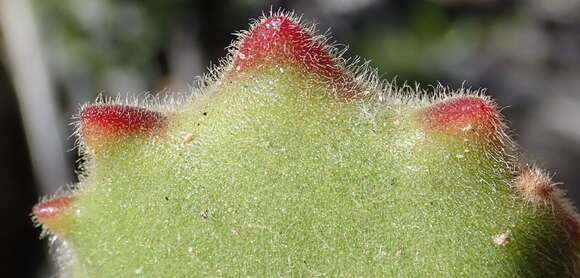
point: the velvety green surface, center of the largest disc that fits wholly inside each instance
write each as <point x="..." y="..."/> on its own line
<point x="284" y="179"/>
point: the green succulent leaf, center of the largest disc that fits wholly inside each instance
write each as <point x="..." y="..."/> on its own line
<point x="290" y="162"/>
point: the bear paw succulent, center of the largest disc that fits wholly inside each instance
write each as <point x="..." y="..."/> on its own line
<point x="290" y="162"/>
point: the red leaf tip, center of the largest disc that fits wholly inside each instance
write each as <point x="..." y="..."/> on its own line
<point x="104" y="123"/>
<point x="467" y="116"/>
<point x="54" y="213"/>
<point x="280" y="39"/>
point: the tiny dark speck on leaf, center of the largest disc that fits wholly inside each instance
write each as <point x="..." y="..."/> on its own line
<point x="205" y="214"/>
<point x="204" y="113"/>
<point x="166" y="198"/>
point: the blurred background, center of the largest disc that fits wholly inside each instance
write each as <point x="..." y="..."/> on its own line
<point x="58" y="54"/>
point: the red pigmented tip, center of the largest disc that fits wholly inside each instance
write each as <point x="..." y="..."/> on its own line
<point x="54" y="213"/>
<point x="105" y="123"/>
<point x="466" y="116"/>
<point x="281" y="40"/>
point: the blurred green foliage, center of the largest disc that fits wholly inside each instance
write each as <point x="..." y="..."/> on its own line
<point x="407" y="45"/>
<point x="105" y="33"/>
<point x="402" y="41"/>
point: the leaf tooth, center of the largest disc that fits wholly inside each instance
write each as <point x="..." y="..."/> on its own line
<point x="536" y="186"/>
<point x="55" y="214"/>
<point x="281" y="40"/>
<point x="102" y="124"/>
<point x="472" y="117"/>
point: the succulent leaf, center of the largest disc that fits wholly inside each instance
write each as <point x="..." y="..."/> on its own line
<point x="290" y="164"/>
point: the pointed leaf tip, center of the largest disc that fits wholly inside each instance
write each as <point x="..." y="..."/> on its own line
<point x="537" y="187"/>
<point x="54" y="213"/>
<point x="468" y="116"/>
<point x="281" y="40"/>
<point x="106" y="123"/>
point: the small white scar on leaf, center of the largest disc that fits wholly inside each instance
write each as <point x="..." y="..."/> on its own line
<point x="503" y="238"/>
